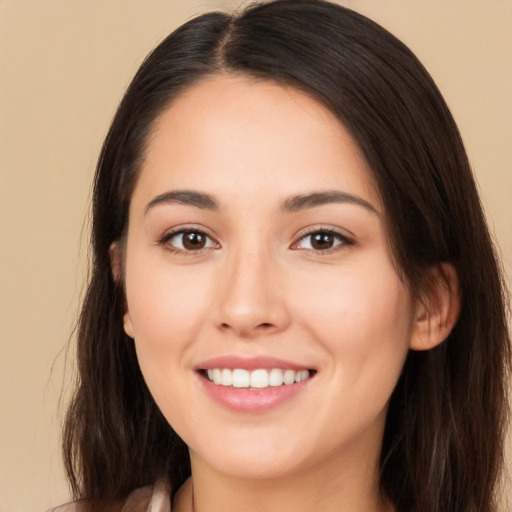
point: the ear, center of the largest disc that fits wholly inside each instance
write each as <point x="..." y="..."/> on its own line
<point x="438" y="310"/>
<point x="127" y="324"/>
<point x="117" y="266"/>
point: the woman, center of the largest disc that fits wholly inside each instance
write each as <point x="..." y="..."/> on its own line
<point x="294" y="299"/>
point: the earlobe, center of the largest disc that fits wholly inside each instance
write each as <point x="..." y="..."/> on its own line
<point x="128" y="325"/>
<point x="438" y="312"/>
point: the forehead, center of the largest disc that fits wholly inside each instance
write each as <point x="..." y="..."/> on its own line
<point x="245" y="133"/>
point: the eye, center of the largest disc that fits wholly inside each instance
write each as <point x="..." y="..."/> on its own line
<point x="188" y="240"/>
<point x="322" y="240"/>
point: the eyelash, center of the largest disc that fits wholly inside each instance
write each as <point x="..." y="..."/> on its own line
<point x="342" y="239"/>
<point x="182" y="231"/>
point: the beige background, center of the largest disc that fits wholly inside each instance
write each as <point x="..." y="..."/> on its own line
<point x="63" y="67"/>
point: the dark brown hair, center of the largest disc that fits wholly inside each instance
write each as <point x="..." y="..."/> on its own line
<point x="442" y="449"/>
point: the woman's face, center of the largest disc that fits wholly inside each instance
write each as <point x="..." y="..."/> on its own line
<point x="269" y="322"/>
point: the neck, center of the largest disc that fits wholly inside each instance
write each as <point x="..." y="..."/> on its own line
<point x="329" y="487"/>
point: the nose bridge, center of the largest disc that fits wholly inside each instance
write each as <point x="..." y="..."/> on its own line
<point x="250" y="301"/>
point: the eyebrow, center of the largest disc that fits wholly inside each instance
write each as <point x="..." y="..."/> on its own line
<point x="292" y="204"/>
<point x="189" y="197"/>
<point x="302" y="202"/>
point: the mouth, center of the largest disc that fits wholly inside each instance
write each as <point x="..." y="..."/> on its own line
<point x="257" y="379"/>
<point x="253" y="384"/>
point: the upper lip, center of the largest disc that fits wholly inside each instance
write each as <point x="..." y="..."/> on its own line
<point x="250" y="363"/>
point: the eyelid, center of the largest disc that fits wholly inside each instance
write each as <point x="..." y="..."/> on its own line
<point x="171" y="233"/>
<point x="346" y="239"/>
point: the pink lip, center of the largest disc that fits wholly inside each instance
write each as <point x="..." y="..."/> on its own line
<point x="245" y="400"/>
<point x="249" y="363"/>
<point x="252" y="401"/>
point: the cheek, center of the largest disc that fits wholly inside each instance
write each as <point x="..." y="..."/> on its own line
<point x="167" y="306"/>
<point x="361" y="296"/>
<point x="362" y="319"/>
<point x="362" y="316"/>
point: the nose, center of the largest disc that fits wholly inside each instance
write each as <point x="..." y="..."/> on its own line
<point x="252" y="302"/>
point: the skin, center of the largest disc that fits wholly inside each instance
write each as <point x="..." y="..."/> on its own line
<point x="258" y="287"/>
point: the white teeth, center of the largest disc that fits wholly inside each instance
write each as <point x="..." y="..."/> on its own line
<point x="227" y="378"/>
<point x="275" y="377"/>
<point x="217" y="376"/>
<point x="289" y="377"/>
<point x="241" y="378"/>
<point x="258" y="379"/>
<point x="302" y="375"/>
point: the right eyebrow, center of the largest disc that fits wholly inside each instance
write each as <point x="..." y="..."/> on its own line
<point x="190" y="197"/>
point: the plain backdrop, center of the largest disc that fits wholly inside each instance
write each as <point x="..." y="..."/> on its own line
<point x="63" y="67"/>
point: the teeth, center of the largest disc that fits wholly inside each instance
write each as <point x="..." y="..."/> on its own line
<point x="289" y="377"/>
<point x="217" y="376"/>
<point x="275" y="377"/>
<point x="257" y="379"/>
<point x="227" y="378"/>
<point x="302" y="375"/>
<point x="241" y="378"/>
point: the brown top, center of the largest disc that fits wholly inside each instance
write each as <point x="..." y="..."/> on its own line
<point x="155" y="498"/>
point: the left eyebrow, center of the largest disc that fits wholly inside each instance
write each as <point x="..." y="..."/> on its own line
<point x="304" y="201"/>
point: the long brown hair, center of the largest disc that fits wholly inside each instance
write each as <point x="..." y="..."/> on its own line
<point x="442" y="449"/>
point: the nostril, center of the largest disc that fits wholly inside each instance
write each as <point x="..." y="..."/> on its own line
<point x="264" y="326"/>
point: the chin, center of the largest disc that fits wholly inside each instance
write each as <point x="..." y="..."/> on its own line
<point x="250" y="458"/>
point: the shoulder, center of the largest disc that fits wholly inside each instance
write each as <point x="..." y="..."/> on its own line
<point x="153" y="498"/>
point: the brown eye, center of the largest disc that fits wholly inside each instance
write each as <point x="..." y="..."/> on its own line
<point x="192" y="240"/>
<point x="188" y="241"/>
<point x="322" y="241"/>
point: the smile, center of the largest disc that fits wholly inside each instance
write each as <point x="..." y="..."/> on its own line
<point x="255" y="379"/>
<point x="253" y="384"/>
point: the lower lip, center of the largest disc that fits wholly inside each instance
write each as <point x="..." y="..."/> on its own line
<point x="252" y="401"/>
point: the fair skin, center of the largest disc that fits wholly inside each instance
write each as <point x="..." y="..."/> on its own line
<point x="275" y="258"/>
